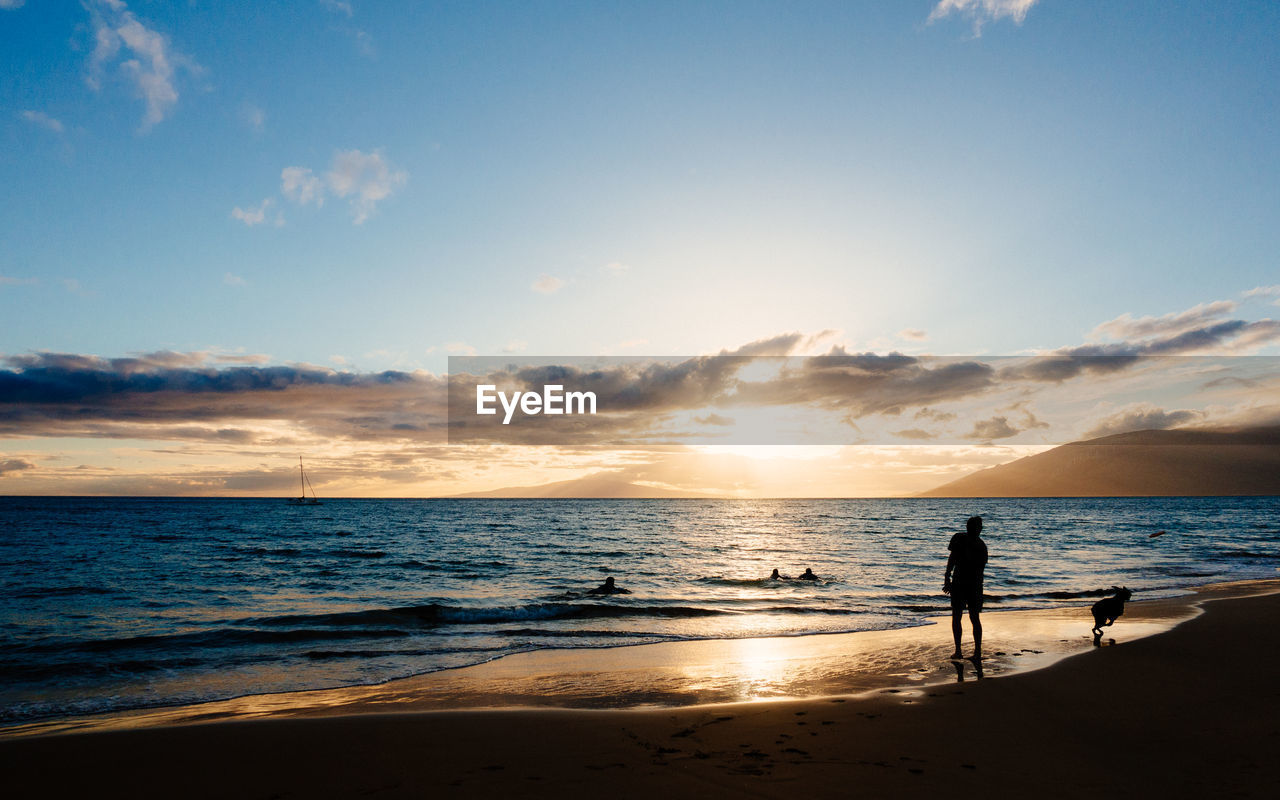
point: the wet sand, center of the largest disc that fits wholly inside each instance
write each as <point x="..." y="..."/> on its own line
<point x="1191" y="711"/>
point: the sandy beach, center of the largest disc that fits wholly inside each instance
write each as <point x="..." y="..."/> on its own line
<point x="1190" y="711"/>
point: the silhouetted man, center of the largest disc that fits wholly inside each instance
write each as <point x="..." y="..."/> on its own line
<point x="963" y="581"/>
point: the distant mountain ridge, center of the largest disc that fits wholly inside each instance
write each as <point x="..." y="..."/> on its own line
<point x="1155" y="463"/>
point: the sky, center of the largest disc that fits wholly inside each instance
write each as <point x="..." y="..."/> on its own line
<point x="354" y="191"/>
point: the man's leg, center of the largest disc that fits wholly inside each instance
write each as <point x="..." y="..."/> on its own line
<point x="957" y="614"/>
<point x="976" y="620"/>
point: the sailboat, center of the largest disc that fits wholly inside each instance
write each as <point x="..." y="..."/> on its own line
<point x="303" y="500"/>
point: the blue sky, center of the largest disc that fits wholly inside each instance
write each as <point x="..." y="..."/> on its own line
<point x="233" y="233"/>
<point x="746" y="169"/>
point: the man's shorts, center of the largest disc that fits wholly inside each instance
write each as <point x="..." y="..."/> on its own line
<point x="963" y="597"/>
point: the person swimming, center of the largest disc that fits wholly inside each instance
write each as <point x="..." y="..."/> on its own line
<point x="808" y="575"/>
<point x="775" y="576"/>
<point x="608" y="587"/>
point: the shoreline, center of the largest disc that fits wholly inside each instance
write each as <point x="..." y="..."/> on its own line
<point x="692" y="673"/>
<point x="1190" y="712"/>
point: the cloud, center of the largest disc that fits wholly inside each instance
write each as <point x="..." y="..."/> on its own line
<point x="766" y="387"/>
<point x="338" y="6"/>
<point x="1266" y="292"/>
<point x="364" y="179"/>
<point x="546" y="284"/>
<point x="935" y="415"/>
<point x="617" y="268"/>
<point x="12" y="5"/>
<point x="367" y="178"/>
<point x="994" y="428"/>
<point x="915" y="433"/>
<point x="1126" y="327"/>
<point x="913" y="334"/>
<point x="860" y="384"/>
<point x="1198" y="330"/>
<point x="780" y="345"/>
<point x="144" y="56"/>
<point x="232" y="280"/>
<point x="301" y="186"/>
<point x="1143" y="417"/>
<point x="640" y="398"/>
<point x="980" y="12"/>
<point x="252" y="216"/>
<point x="253" y="116"/>
<point x="178" y="395"/>
<point x="8" y="465"/>
<point x="364" y="42"/>
<point x="43" y="120"/>
<point x="9" y="280"/>
<point x="714" y="419"/>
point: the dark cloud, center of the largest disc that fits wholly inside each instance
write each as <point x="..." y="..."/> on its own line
<point x="9" y="465"/>
<point x="637" y="400"/>
<point x="1101" y="359"/>
<point x="1126" y="327"/>
<point x="915" y="433"/>
<point x="995" y="428"/>
<point x="935" y="415"/>
<point x="182" y="396"/>
<point x="228" y="401"/>
<point x="867" y="383"/>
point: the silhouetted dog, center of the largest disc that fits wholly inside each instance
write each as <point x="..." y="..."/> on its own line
<point x="1106" y="610"/>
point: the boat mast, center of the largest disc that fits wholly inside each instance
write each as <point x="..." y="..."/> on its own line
<point x="302" y="477"/>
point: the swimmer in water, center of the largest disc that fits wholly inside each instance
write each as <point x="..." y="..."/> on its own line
<point x="775" y="576"/>
<point x="609" y="587"/>
<point x="808" y="575"/>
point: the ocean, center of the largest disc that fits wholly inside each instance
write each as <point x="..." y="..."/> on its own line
<point x="113" y="604"/>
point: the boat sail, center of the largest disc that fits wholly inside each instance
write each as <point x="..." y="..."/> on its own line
<point x="303" y="500"/>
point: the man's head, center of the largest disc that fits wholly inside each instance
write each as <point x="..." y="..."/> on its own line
<point x="974" y="526"/>
<point x="608" y="581"/>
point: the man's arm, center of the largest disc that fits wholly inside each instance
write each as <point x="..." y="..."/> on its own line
<point x="946" y="578"/>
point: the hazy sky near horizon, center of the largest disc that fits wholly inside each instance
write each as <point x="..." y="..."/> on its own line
<point x="375" y="186"/>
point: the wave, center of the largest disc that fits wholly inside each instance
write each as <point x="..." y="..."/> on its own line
<point x="719" y="581"/>
<point x="785" y="580"/>
<point x="62" y="591"/>
<point x="1055" y="595"/>
<point x="271" y="551"/>
<point x="216" y="638"/>
<point x="434" y="614"/>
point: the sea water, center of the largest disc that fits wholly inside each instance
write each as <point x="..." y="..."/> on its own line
<point x="121" y="603"/>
